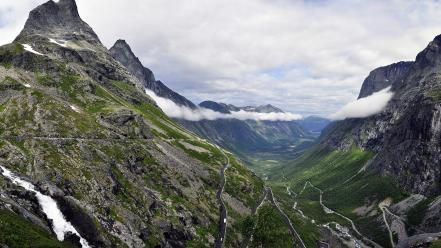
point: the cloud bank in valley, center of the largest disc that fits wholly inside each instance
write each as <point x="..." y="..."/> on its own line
<point x="174" y="110"/>
<point x="364" y="107"/>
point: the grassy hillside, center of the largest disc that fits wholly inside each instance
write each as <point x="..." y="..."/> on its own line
<point x="347" y="189"/>
<point x="103" y="142"/>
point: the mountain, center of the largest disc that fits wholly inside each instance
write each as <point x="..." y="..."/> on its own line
<point x="383" y="171"/>
<point x="122" y="52"/>
<point x="59" y="21"/>
<point x="314" y="124"/>
<point x="81" y="142"/>
<point x="383" y="77"/>
<point x="247" y="135"/>
<point x="237" y="135"/>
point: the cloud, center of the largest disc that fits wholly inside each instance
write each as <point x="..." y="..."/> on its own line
<point x="364" y="107"/>
<point x="173" y="110"/>
<point x="308" y="56"/>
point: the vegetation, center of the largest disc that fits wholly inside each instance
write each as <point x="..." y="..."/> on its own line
<point x="345" y="184"/>
<point x="270" y="229"/>
<point x="416" y="214"/>
<point x="16" y="232"/>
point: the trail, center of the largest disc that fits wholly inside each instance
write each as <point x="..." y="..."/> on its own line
<point x="330" y="211"/>
<point x="294" y="234"/>
<point x="223" y="215"/>
<point x="399" y="227"/>
<point x="391" y="236"/>
<point x="249" y="239"/>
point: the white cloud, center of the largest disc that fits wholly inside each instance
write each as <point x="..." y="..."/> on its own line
<point x="173" y="110"/>
<point x="308" y="56"/>
<point x="364" y="107"/>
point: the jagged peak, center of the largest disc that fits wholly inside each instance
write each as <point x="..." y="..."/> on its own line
<point x="122" y="46"/>
<point x="123" y="53"/>
<point x="57" y="20"/>
<point x="383" y="77"/>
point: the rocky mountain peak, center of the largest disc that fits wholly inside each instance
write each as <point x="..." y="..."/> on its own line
<point x="218" y="107"/>
<point x="384" y="77"/>
<point x="123" y="53"/>
<point x="268" y="108"/>
<point x="430" y="56"/>
<point x="58" y="20"/>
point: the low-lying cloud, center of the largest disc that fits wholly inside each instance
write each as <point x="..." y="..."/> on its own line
<point x="364" y="107"/>
<point x="174" y="110"/>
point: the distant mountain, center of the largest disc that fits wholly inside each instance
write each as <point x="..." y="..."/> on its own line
<point x="248" y="135"/>
<point x="261" y="109"/>
<point x="314" y="124"/>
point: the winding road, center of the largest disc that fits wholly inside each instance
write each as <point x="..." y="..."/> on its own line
<point x="219" y="243"/>
<point x="398" y="225"/>
<point x="330" y="211"/>
<point x="295" y="235"/>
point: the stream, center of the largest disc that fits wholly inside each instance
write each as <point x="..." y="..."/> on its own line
<point x="49" y="206"/>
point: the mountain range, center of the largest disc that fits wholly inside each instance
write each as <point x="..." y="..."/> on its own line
<point x="240" y="136"/>
<point x="88" y="159"/>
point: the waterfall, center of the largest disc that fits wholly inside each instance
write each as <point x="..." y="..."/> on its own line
<point x="60" y="225"/>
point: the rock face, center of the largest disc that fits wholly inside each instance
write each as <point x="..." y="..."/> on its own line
<point x="57" y="20"/>
<point x="122" y="52"/>
<point x="406" y="136"/>
<point x="383" y="77"/>
<point x="218" y="107"/>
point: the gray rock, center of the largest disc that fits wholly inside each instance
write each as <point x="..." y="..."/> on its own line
<point x="122" y="52"/>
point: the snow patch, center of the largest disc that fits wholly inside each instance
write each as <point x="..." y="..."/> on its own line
<point x="61" y="43"/>
<point x="50" y="208"/>
<point x="74" y="108"/>
<point x="29" y="48"/>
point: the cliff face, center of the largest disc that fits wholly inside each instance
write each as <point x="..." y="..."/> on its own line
<point x="383" y="77"/>
<point x="406" y="135"/>
<point x="57" y="20"/>
<point x="122" y="52"/>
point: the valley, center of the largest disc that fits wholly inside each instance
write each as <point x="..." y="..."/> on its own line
<point x="93" y="154"/>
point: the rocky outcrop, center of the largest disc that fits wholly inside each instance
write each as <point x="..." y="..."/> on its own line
<point x="122" y="52"/>
<point x="215" y="106"/>
<point x="406" y="136"/>
<point x="59" y="20"/>
<point x="383" y="77"/>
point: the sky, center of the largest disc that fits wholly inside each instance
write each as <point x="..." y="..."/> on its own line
<point x="307" y="57"/>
